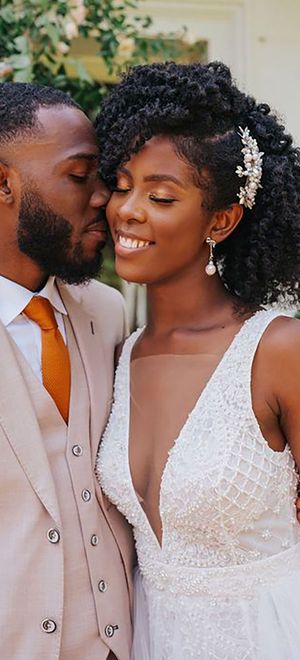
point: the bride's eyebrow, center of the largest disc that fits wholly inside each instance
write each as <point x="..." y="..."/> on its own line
<point x="160" y="178"/>
<point x="164" y="178"/>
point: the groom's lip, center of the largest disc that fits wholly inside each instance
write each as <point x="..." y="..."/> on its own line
<point x="96" y="231"/>
<point x="96" y="226"/>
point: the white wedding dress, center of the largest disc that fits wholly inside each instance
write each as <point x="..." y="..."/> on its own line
<point x="225" y="582"/>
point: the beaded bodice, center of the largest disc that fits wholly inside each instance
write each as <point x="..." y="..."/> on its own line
<point x="226" y="497"/>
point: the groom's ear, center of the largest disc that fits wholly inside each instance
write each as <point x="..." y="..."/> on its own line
<point x="8" y="184"/>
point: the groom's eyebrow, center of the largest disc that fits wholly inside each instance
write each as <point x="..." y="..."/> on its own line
<point x="83" y="156"/>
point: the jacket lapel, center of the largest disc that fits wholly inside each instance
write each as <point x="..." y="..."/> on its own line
<point x="90" y="345"/>
<point x="18" y="421"/>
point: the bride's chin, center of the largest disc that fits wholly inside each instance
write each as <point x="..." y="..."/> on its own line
<point x="129" y="275"/>
<point x="132" y="280"/>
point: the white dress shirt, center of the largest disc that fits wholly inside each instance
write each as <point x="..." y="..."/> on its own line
<point x="27" y="333"/>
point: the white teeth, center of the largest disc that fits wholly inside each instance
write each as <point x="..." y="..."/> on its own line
<point x="132" y="244"/>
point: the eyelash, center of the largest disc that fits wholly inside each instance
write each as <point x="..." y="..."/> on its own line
<point x="162" y="200"/>
<point x="79" y="179"/>
<point x="158" y="200"/>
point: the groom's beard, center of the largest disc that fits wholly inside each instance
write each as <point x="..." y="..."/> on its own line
<point x="46" y="238"/>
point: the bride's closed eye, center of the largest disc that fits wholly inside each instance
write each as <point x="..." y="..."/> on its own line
<point x="154" y="198"/>
<point x="162" y="200"/>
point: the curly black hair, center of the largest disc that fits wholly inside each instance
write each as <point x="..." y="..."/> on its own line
<point x="19" y="103"/>
<point x="200" y="109"/>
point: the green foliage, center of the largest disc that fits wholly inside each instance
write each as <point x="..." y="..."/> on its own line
<point x="36" y="37"/>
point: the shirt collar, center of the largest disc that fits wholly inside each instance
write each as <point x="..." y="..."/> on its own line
<point x="14" y="298"/>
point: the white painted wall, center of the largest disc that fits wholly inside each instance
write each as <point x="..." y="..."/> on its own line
<point x="258" y="39"/>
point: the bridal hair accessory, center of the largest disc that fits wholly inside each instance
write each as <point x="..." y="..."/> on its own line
<point x="210" y="268"/>
<point x="253" y="168"/>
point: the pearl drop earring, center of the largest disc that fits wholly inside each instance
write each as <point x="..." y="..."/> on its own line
<point x="210" y="268"/>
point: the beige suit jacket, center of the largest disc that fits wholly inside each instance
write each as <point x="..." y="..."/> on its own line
<point x="28" y="501"/>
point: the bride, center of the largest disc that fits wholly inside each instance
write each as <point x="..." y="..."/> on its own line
<point x="200" y="450"/>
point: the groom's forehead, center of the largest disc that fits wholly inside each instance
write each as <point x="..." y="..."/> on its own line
<point x="61" y="132"/>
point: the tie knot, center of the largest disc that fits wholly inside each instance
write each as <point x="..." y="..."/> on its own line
<point x="41" y="311"/>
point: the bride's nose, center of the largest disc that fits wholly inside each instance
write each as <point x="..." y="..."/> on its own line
<point x="132" y="210"/>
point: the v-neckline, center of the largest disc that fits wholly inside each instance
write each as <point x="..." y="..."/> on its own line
<point x="127" y="393"/>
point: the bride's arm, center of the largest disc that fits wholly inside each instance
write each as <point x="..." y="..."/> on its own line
<point x="289" y="394"/>
<point x="277" y="371"/>
<point x="284" y="379"/>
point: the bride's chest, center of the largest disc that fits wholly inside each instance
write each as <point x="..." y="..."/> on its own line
<point x="222" y="478"/>
<point x="218" y="477"/>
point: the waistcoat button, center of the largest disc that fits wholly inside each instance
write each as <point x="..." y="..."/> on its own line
<point x="48" y="626"/>
<point x="110" y="630"/>
<point x="102" y="586"/>
<point x="77" y="450"/>
<point x="94" y="539"/>
<point x="53" y="535"/>
<point x="86" y="495"/>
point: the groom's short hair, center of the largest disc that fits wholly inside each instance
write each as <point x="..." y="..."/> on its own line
<point x="19" y="103"/>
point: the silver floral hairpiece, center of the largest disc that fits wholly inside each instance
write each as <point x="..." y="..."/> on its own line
<point x="253" y="168"/>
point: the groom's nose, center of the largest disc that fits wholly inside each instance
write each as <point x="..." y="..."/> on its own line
<point x="100" y="195"/>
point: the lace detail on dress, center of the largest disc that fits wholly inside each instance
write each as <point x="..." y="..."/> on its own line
<point x="226" y="504"/>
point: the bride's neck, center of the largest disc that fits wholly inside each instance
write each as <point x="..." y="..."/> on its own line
<point x="185" y="302"/>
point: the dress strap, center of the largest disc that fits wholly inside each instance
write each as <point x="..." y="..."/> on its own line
<point x="243" y="348"/>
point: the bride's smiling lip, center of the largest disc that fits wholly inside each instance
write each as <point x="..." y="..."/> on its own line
<point x="126" y="241"/>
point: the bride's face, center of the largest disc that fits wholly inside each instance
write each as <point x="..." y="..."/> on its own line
<point x="156" y="215"/>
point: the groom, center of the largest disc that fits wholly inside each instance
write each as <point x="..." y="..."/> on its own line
<point x="65" y="554"/>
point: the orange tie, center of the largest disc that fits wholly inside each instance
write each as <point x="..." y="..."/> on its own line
<point x="56" y="369"/>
